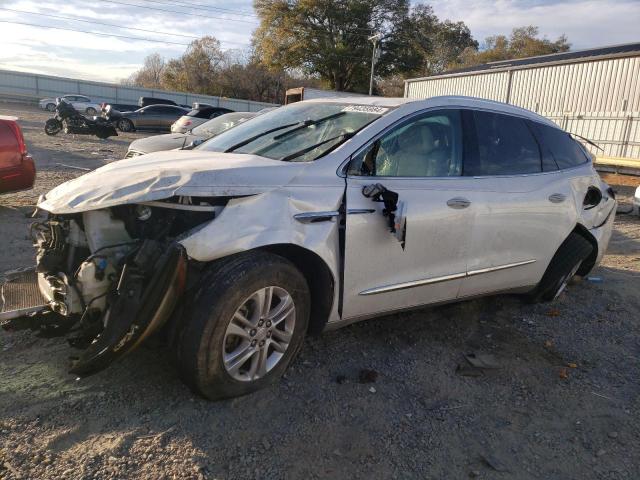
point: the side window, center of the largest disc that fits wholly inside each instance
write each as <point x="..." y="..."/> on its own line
<point x="503" y="145"/>
<point x="561" y="147"/>
<point x="429" y="145"/>
<point x="82" y="99"/>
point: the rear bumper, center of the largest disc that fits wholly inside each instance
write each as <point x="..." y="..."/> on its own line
<point x="20" y="177"/>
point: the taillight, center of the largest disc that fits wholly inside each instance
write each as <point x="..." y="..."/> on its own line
<point x="187" y="123"/>
<point x="15" y="128"/>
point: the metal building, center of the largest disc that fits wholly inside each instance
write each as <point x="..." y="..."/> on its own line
<point x="593" y="93"/>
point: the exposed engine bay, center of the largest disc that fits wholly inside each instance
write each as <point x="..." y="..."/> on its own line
<point x="112" y="277"/>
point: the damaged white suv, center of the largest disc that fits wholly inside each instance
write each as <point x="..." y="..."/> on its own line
<point x="306" y="218"/>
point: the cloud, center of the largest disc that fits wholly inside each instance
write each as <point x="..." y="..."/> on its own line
<point x="587" y="23"/>
<point x="83" y="55"/>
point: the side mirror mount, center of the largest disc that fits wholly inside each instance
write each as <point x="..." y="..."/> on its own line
<point x="193" y="144"/>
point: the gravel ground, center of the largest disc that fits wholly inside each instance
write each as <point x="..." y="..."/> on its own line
<point x="560" y="401"/>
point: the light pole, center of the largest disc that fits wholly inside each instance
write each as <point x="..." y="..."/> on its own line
<point x="374" y="57"/>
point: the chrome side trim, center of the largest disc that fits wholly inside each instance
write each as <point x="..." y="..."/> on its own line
<point x="312" y="217"/>
<point x="471" y="273"/>
<point x="444" y="278"/>
<point x="415" y="283"/>
<point x="359" y="211"/>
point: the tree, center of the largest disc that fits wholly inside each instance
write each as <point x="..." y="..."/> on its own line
<point x="195" y="69"/>
<point x="150" y="75"/>
<point x="430" y="45"/>
<point x="523" y="42"/>
<point x="327" y="38"/>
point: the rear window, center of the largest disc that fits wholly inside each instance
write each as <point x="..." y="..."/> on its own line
<point x="503" y="145"/>
<point x="560" y="146"/>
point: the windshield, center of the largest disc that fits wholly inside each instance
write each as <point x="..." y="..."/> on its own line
<point x="220" y="124"/>
<point x="300" y="132"/>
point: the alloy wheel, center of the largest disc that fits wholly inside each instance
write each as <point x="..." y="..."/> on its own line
<point x="259" y="333"/>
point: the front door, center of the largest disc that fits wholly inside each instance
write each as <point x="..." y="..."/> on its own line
<point x="424" y="262"/>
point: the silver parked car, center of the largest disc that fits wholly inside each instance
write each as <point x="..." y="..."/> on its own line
<point x="197" y="116"/>
<point x="191" y="138"/>
<point x="153" y="117"/>
<point x="310" y="217"/>
<point x="81" y="103"/>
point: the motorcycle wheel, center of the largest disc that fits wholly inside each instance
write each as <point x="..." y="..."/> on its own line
<point x="52" y="127"/>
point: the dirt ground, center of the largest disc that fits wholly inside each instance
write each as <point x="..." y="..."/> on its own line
<point x="560" y="401"/>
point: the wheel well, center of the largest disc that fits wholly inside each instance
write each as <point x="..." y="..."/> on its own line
<point x="318" y="276"/>
<point x="590" y="261"/>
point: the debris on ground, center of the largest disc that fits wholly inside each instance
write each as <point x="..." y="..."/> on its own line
<point x="367" y="376"/>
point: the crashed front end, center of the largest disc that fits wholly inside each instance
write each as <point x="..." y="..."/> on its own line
<point x="109" y="277"/>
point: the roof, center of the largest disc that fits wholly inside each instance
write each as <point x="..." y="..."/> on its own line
<point x="628" y="49"/>
<point x="364" y="100"/>
<point x="438" y="101"/>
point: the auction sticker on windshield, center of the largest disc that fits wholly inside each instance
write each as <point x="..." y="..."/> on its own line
<point x="365" y="109"/>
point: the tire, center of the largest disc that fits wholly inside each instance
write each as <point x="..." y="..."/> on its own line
<point x="91" y="111"/>
<point x="125" y="125"/>
<point x="564" y="265"/>
<point x="51" y="107"/>
<point x="52" y="127"/>
<point x="227" y="298"/>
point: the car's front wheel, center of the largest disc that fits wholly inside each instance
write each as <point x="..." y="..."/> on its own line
<point x="51" y="107"/>
<point x="91" y="111"/>
<point x="563" y="267"/>
<point x="246" y="323"/>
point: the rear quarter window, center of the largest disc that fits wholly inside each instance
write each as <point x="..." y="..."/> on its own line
<point x="560" y="146"/>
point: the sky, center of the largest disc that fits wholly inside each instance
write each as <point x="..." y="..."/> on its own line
<point x="587" y="23"/>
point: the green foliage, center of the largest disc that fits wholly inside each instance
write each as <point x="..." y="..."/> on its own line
<point x="523" y="42"/>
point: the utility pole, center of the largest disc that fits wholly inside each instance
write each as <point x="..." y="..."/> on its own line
<point x="375" y="54"/>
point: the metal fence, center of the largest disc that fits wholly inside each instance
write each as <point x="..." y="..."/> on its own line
<point x="618" y="134"/>
<point x="597" y="99"/>
<point x="31" y="87"/>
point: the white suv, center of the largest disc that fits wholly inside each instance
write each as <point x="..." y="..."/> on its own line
<point x="313" y="216"/>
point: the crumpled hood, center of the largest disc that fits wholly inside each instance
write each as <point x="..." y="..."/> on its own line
<point x="161" y="175"/>
<point x="168" y="141"/>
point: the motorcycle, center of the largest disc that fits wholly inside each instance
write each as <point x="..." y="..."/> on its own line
<point x="69" y="120"/>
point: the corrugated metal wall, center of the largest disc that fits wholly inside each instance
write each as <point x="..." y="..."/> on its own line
<point x="32" y="87"/>
<point x="599" y="100"/>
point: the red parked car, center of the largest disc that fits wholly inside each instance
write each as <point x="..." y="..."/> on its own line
<point x="17" y="170"/>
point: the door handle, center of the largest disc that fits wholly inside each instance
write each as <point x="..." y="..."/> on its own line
<point x="557" y="198"/>
<point x="458" y="203"/>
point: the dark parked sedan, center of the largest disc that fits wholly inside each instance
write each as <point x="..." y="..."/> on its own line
<point x="153" y="117"/>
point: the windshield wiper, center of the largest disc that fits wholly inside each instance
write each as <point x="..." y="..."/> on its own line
<point x="298" y="125"/>
<point x="308" y="123"/>
<point x="255" y="137"/>
<point x="344" y="137"/>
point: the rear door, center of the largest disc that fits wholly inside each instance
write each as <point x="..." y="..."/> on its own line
<point x="519" y="200"/>
<point x="167" y="115"/>
<point x="420" y="159"/>
<point x="149" y="117"/>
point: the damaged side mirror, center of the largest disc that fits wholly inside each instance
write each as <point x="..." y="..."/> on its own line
<point x="394" y="209"/>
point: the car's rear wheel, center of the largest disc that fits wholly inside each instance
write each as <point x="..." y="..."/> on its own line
<point x="51" y="107"/>
<point x="125" y="125"/>
<point x="246" y="323"/>
<point x="563" y="267"/>
<point x="91" y="111"/>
